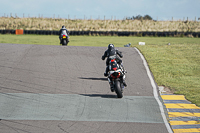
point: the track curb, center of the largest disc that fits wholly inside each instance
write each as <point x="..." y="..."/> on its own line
<point x="183" y="115"/>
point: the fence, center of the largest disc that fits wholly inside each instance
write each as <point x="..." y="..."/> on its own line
<point x="92" y="17"/>
<point x="108" y="33"/>
<point x="68" y="16"/>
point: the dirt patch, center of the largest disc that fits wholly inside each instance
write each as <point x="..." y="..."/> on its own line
<point x="165" y="90"/>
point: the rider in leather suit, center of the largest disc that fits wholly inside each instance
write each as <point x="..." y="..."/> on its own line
<point x="64" y="31"/>
<point x="111" y="53"/>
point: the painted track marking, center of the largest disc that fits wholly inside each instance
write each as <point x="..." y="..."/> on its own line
<point x="184" y="117"/>
<point x="155" y="92"/>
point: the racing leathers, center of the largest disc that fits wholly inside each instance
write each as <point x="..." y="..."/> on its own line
<point x="113" y="53"/>
<point x="62" y="32"/>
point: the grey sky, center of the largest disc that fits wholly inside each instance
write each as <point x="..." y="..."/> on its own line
<point x="163" y="9"/>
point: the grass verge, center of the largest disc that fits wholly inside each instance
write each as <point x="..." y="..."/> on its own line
<point x="176" y="66"/>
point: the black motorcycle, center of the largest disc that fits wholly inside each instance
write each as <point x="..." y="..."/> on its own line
<point x="115" y="78"/>
<point x="64" y="40"/>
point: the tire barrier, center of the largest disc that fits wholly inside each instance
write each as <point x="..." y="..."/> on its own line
<point x="7" y="31"/>
<point x="109" y="33"/>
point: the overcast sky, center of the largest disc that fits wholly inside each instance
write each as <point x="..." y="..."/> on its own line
<point x="161" y="9"/>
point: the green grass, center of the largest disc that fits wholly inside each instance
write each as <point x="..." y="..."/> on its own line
<point x="30" y="39"/>
<point x="176" y="66"/>
<point x="94" y="40"/>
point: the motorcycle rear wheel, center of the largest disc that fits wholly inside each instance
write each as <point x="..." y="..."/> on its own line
<point x="64" y="42"/>
<point x="118" y="89"/>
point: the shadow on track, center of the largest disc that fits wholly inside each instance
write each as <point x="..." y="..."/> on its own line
<point x="103" y="79"/>
<point x="100" y="95"/>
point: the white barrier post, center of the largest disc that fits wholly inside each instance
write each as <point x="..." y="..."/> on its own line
<point x="141" y="43"/>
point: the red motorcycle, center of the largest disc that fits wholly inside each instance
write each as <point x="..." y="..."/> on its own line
<point x="115" y="78"/>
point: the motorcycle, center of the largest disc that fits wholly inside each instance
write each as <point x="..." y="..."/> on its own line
<point x="64" y="39"/>
<point x="116" y="75"/>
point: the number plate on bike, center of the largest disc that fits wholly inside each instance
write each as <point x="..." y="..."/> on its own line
<point x="64" y="36"/>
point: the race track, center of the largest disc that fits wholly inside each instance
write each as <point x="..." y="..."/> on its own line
<point x="55" y="89"/>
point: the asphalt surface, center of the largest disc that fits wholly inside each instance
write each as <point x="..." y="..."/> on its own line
<point x="55" y="89"/>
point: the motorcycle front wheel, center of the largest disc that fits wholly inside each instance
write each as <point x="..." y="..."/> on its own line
<point x="118" y="89"/>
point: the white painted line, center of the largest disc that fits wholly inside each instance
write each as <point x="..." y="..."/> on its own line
<point x="155" y="92"/>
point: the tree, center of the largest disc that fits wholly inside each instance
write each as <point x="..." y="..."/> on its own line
<point x="147" y="17"/>
<point x="139" y="17"/>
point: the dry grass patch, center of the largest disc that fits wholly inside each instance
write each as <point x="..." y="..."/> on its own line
<point x="98" y="25"/>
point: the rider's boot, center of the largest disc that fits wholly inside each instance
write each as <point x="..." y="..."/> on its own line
<point x="60" y="40"/>
<point x="111" y="85"/>
<point x="106" y="72"/>
<point x="124" y="83"/>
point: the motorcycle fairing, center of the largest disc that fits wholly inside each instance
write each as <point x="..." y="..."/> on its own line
<point x="113" y="65"/>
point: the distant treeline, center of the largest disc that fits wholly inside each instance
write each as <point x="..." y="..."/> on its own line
<point x="139" y="17"/>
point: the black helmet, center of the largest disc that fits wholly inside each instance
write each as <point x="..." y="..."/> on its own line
<point x="110" y="46"/>
<point x="63" y="27"/>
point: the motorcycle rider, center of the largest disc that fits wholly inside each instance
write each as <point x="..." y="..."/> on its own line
<point x="63" y="31"/>
<point x="111" y="53"/>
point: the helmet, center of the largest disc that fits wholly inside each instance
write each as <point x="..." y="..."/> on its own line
<point x="63" y="27"/>
<point x="110" y="46"/>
